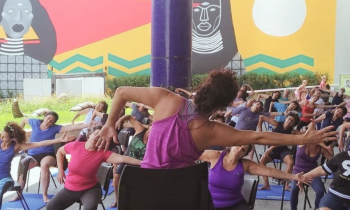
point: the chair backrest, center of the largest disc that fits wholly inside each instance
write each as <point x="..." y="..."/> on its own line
<point x="103" y="175"/>
<point x="123" y="138"/>
<point x="5" y="188"/>
<point x="159" y="189"/>
<point x="249" y="189"/>
<point x="145" y="121"/>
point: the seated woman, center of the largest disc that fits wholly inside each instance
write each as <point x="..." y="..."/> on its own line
<point x="139" y="111"/>
<point x="276" y="95"/>
<point x="136" y="149"/>
<point x="245" y="93"/>
<point x="282" y="152"/>
<point x="300" y="89"/>
<point x="81" y="182"/>
<point x="45" y="156"/>
<point x="13" y="140"/>
<point x="338" y="196"/>
<point x="226" y="176"/>
<point x="334" y="118"/>
<point x="284" y="109"/>
<point x="102" y="106"/>
<point x="305" y="161"/>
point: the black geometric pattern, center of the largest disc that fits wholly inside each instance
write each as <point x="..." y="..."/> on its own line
<point x="13" y="69"/>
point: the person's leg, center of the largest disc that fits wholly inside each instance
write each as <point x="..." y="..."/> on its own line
<point x="62" y="200"/>
<point x="288" y="160"/>
<point x="294" y="196"/>
<point x="330" y="201"/>
<point x="91" y="198"/>
<point x="263" y="161"/>
<point x="116" y="179"/>
<point x="317" y="185"/>
<point x="45" y="165"/>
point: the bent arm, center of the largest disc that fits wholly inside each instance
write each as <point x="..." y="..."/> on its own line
<point x="320" y="118"/>
<point x="83" y="112"/>
<point x="24" y="122"/>
<point x="251" y="89"/>
<point x="342" y="130"/>
<point x="60" y="157"/>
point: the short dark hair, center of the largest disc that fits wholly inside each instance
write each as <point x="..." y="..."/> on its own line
<point x="54" y="114"/>
<point x="216" y="92"/>
<point x="296" y="117"/>
<point x="344" y="109"/>
<point x="297" y="108"/>
<point x="279" y="94"/>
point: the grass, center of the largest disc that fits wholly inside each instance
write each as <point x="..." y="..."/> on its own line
<point x="51" y="103"/>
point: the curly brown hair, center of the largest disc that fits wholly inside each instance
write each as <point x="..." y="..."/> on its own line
<point x="217" y="91"/>
<point x="15" y="132"/>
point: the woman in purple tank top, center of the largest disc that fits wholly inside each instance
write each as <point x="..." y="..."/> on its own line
<point x="226" y="176"/>
<point x="182" y="129"/>
<point x="305" y="161"/>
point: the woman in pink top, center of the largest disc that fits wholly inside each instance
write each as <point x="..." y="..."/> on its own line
<point x="182" y="130"/>
<point x="300" y="89"/>
<point x="81" y="182"/>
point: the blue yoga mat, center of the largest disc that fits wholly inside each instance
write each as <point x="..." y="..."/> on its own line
<point x="34" y="201"/>
<point x="110" y="208"/>
<point x="274" y="194"/>
<point x="54" y="171"/>
<point x="329" y="176"/>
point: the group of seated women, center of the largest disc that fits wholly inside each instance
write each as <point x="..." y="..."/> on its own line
<point x="181" y="134"/>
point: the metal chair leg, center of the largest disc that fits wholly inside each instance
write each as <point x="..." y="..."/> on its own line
<point x="283" y="191"/>
<point x="27" y="180"/>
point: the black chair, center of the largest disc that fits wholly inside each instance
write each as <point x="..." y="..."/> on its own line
<point x="123" y="138"/>
<point x="159" y="189"/>
<point x="18" y="188"/>
<point x="56" y="147"/>
<point x="249" y="189"/>
<point x="103" y="176"/>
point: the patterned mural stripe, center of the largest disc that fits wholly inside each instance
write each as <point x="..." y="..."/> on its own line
<point x="82" y="70"/>
<point x="76" y="58"/>
<point x="279" y="62"/>
<point x="127" y="70"/>
<point x="129" y="64"/>
<point x="118" y="73"/>
<point x="262" y="70"/>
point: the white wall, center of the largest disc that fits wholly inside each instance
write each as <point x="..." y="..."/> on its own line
<point x="33" y="88"/>
<point x="342" y="40"/>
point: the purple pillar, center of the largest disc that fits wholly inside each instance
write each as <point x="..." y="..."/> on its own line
<point x="171" y="43"/>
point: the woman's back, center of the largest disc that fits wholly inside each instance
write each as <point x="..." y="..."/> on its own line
<point x="170" y="142"/>
<point x="5" y="160"/>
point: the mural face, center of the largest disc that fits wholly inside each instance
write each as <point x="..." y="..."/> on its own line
<point x="206" y="18"/>
<point x="213" y="38"/>
<point x="17" y="17"/>
<point x="27" y="43"/>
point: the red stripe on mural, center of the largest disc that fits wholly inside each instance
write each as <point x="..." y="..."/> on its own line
<point x="82" y="22"/>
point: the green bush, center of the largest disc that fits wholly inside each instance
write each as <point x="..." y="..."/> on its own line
<point x="257" y="81"/>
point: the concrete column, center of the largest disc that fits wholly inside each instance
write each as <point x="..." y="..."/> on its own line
<point x="171" y="43"/>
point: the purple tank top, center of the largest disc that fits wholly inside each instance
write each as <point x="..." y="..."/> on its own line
<point x="303" y="162"/>
<point x="225" y="186"/>
<point x="170" y="143"/>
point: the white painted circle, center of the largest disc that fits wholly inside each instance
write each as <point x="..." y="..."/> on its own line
<point x="279" y="17"/>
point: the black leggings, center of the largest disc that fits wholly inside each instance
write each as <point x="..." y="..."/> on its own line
<point x="90" y="198"/>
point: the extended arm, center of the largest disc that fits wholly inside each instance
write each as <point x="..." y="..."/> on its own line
<point x="31" y="145"/>
<point x="320" y="118"/>
<point x="224" y="135"/>
<point x="117" y="159"/>
<point x="256" y="169"/>
<point x="342" y="130"/>
<point x="317" y="172"/>
<point x="75" y="127"/>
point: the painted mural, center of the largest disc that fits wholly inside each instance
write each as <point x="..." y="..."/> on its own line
<point x="38" y="37"/>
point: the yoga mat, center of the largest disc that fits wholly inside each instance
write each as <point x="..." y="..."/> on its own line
<point x="110" y="208"/>
<point x="34" y="201"/>
<point x="274" y="194"/>
<point x="54" y="171"/>
<point x="329" y="176"/>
